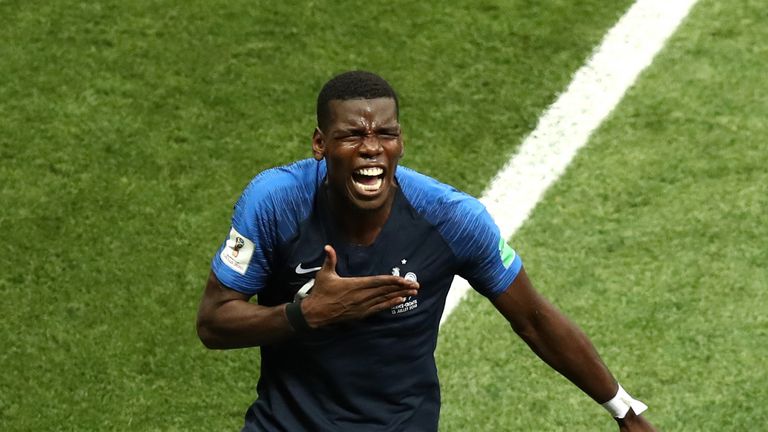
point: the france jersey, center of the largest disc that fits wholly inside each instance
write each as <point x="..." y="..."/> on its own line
<point x="377" y="374"/>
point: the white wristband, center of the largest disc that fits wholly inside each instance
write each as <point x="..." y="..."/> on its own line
<point x="622" y="402"/>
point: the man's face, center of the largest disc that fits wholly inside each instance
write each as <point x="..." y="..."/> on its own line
<point x="361" y="146"/>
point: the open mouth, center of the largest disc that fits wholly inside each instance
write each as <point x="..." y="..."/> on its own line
<point x="368" y="180"/>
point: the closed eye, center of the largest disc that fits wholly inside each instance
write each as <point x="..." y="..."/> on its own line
<point x="388" y="133"/>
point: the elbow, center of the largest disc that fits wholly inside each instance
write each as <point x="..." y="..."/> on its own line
<point x="207" y="335"/>
<point x="529" y="329"/>
<point x="527" y="333"/>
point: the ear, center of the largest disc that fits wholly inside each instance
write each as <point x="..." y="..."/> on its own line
<point x="318" y="145"/>
<point x="402" y="147"/>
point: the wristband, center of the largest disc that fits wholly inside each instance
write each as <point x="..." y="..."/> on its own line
<point x="296" y="317"/>
<point x="622" y="402"/>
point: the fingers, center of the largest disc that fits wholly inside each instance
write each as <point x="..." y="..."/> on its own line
<point x="329" y="265"/>
<point x="384" y="303"/>
<point x="388" y="291"/>
<point x="330" y="259"/>
<point x="388" y="299"/>
<point x="378" y="281"/>
<point x="347" y="298"/>
<point x="367" y="290"/>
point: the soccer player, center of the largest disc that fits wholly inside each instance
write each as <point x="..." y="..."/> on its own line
<point x="350" y="257"/>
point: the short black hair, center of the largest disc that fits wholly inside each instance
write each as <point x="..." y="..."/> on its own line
<point x="352" y="85"/>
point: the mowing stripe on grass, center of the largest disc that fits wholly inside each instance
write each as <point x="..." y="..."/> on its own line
<point x="596" y="88"/>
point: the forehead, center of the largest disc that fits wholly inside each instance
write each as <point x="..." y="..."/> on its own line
<point x="376" y="111"/>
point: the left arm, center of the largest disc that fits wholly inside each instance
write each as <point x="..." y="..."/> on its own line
<point x="561" y="344"/>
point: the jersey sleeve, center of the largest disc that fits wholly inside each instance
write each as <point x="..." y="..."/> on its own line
<point x="243" y="261"/>
<point x="487" y="261"/>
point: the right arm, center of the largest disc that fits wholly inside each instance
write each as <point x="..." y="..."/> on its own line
<point x="226" y="319"/>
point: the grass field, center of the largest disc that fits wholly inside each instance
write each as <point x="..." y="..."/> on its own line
<point x="128" y="129"/>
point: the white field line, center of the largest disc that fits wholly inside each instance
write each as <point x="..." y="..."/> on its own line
<point x="597" y="87"/>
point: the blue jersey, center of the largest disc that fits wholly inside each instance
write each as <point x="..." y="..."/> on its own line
<point x="377" y="374"/>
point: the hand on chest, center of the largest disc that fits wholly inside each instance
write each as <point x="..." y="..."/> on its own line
<point x="431" y="267"/>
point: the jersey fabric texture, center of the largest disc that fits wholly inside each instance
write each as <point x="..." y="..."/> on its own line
<point x="377" y="374"/>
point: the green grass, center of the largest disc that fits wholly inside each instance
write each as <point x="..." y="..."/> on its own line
<point x="128" y="129"/>
<point x="654" y="241"/>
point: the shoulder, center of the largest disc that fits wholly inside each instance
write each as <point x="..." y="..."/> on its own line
<point x="461" y="219"/>
<point x="295" y="181"/>
<point x="438" y="202"/>
<point x="281" y="196"/>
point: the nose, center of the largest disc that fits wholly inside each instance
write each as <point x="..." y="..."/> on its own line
<point x="371" y="146"/>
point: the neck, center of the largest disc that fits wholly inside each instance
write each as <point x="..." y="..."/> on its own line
<point x="359" y="226"/>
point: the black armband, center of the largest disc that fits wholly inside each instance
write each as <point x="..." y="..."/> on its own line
<point x="296" y="317"/>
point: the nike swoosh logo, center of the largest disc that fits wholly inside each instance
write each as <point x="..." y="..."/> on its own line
<point x="300" y="270"/>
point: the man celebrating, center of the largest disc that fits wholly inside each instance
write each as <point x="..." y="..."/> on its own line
<point x="351" y="258"/>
